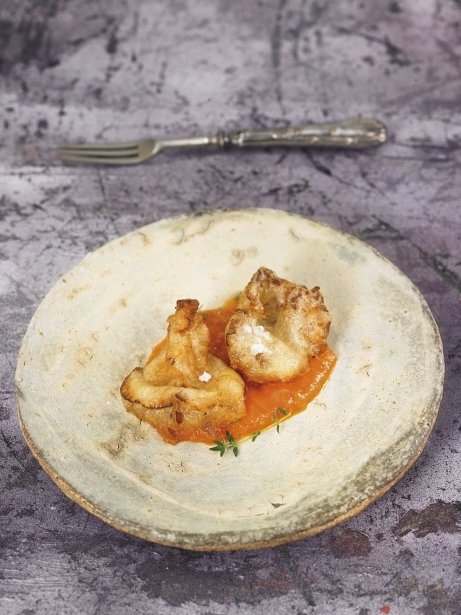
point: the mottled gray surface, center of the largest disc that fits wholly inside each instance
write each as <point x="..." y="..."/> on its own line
<point x="84" y="70"/>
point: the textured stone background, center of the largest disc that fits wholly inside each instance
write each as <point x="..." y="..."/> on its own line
<point x="85" y="69"/>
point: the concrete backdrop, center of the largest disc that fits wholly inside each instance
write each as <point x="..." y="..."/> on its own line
<point x="86" y="70"/>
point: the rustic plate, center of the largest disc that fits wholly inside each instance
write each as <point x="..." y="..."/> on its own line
<point x="362" y="433"/>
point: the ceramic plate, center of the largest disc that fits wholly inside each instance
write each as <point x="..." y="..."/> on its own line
<point x="362" y="433"/>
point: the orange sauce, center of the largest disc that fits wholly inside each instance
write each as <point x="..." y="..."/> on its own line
<point x="262" y="401"/>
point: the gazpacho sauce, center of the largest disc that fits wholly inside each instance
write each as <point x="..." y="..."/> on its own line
<point x="266" y="404"/>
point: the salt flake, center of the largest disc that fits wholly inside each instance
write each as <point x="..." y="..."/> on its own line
<point x="257" y="348"/>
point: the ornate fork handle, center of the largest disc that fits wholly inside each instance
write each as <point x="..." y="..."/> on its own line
<point x="355" y="133"/>
<point x="348" y="134"/>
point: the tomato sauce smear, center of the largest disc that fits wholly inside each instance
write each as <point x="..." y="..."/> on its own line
<point x="262" y="401"/>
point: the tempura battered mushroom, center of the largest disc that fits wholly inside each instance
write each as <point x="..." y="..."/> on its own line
<point x="276" y="327"/>
<point x="184" y="387"/>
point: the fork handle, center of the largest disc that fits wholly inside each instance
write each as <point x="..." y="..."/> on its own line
<point x="349" y="134"/>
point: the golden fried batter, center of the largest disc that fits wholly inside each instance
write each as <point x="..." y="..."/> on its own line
<point x="276" y="327"/>
<point x="184" y="387"/>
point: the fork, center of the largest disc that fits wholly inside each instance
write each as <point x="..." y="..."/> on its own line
<point x="347" y="134"/>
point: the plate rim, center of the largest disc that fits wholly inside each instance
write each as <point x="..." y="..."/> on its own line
<point x="73" y="493"/>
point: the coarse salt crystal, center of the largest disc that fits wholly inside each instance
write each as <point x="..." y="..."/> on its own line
<point x="205" y="377"/>
<point x="257" y="348"/>
<point x="247" y="329"/>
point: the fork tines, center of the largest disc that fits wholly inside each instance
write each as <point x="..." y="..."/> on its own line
<point x="110" y="153"/>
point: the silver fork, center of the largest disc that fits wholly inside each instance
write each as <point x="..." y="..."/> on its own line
<point x="348" y="134"/>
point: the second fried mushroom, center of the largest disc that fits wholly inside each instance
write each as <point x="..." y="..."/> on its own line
<point x="276" y="328"/>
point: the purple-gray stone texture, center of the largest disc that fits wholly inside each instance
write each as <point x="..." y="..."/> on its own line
<point x="85" y="70"/>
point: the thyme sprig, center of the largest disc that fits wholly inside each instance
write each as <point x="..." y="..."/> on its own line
<point x="221" y="447"/>
<point x="277" y="420"/>
<point x="231" y="444"/>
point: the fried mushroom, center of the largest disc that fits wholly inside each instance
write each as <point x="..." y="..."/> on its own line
<point x="184" y="387"/>
<point x="276" y="328"/>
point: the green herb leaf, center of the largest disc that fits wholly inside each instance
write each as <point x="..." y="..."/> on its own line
<point x="235" y="450"/>
<point x="230" y="437"/>
<point x="278" y="427"/>
<point x="219" y="447"/>
<point x="283" y="411"/>
<point x="255" y="435"/>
